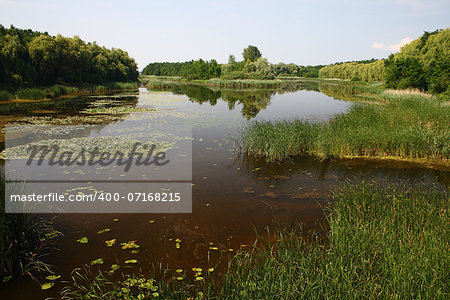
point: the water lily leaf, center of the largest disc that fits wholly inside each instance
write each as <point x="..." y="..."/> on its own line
<point x="47" y="285"/>
<point x="110" y="243"/>
<point x="83" y="240"/>
<point x="97" y="261"/>
<point x="103" y="231"/>
<point x="129" y="245"/>
<point x="115" y="267"/>
<point x="53" y="277"/>
<point x="131" y="261"/>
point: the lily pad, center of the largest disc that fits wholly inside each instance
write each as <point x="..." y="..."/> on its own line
<point x="110" y="243"/>
<point x="97" y="261"/>
<point x="129" y="245"/>
<point x="131" y="261"/>
<point x="83" y="240"/>
<point x="53" y="277"/>
<point x="47" y="285"/>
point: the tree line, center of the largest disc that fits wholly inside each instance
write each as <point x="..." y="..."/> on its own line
<point x="367" y="71"/>
<point x="422" y="64"/>
<point x="31" y="58"/>
<point x="253" y="66"/>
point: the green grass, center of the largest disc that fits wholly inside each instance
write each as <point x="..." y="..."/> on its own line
<point x="387" y="242"/>
<point x="405" y="126"/>
<point x="31" y="94"/>
<point x="24" y="240"/>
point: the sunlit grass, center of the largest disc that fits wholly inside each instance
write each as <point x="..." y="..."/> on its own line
<point x="383" y="242"/>
<point x="406" y="126"/>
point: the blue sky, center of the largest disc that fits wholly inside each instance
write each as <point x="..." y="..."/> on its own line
<point x="303" y="32"/>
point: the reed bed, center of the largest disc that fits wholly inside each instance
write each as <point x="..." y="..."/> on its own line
<point x="24" y="241"/>
<point x="384" y="242"/>
<point x="387" y="242"/>
<point x="405" y="126"/>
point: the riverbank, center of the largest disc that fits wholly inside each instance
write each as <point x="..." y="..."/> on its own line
<point x="160" y="81"/>
<point x="407" y="126"/>
<point x="52" y="92"/>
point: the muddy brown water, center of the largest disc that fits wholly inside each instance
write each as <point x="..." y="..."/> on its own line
<point x="234" y="196"/>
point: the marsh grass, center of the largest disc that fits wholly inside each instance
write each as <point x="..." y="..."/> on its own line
<point x="384" y="241"/>
<point x="24" y="240"/>
<point x="405" y="126"/>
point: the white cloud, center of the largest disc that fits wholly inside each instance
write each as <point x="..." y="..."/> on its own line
<point x="395" y="47"/>
<point x="378" y="45"/>
<point x="402" y="43"/>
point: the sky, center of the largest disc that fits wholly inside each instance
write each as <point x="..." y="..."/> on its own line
<point x="305" y="32"/>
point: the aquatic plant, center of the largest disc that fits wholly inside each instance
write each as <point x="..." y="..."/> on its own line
<point x="405" y="126"/>
<point x="24" y="241"/>
<point x="383" y="242"/>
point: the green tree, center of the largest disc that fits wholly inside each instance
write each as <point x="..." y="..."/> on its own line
<point x="231" y="59"/>
<point x="251" y="54"/>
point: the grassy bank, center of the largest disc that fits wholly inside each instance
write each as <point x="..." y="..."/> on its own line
<point x="403" y="125"/>
<point x="384" y="242"/>
<point x="38" y="93"/>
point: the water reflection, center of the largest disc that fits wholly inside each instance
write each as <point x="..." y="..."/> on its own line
<point x="254" y="100"/>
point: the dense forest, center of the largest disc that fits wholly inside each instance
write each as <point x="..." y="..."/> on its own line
<point x="423" y="64"/>
<point x="366" y="70"/>
<point x="31" y="58"/>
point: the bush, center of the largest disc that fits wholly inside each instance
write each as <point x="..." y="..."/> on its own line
<point x="29" y="93"/>
<point x="57" y="90"/>
<point x="5" y="96"/>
